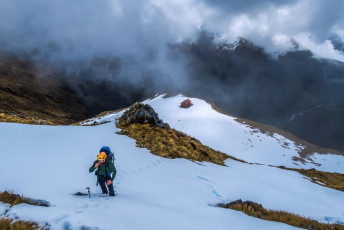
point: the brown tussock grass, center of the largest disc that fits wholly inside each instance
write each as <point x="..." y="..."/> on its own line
<point x="258" y="211"/>
<point x="10" y="224"/>
<point x="13" y="199"/>
<point x="326" y="179"/>
<point x="170" y="143"/>
<point x="23" y="120"/>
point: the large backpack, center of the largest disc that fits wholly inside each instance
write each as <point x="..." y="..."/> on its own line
<point x="109" y="155"/>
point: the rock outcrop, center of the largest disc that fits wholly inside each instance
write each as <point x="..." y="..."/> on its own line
<point x="141" y="114"/>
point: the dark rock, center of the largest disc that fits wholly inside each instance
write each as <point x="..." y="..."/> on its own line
<point x="80" y="194"/>
<point x="240" y="202"/>
<point x="39" y="202"/>
<point x="186" y="104"/>
<point x="141" y="114"/>
<point x="234" y="203"/>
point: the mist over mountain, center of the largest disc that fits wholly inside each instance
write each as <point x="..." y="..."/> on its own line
<point x="294" y="91"/>
<point x="278" y="62"/>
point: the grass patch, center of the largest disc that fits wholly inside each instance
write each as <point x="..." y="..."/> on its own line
<point x="257" y="210"/>
<point x="170" y="143"/>
<point x="13" y="199"/>
<point x="30" y="90"/>
<point x="326" y="179"/>
<point x="9" y="224"/>
<point x="16" y="118"/>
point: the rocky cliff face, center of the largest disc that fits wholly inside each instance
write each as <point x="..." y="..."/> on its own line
<point x="29" y="94"/>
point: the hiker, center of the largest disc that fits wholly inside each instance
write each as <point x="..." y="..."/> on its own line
<point x="105" y="166"/>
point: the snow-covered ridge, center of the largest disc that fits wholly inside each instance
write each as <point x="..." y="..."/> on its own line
<point x="226" y="134"/>
<point x="51" y="163"/>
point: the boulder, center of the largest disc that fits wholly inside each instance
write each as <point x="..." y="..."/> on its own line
<point x="186" y="103"/>
<point x="142" y="114"/>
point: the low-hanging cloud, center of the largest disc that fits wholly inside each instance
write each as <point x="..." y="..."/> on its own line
<point x="276" y="25"/>
<point x="73" y="33"/>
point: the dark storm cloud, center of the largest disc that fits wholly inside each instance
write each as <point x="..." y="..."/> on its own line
<point x="247" y="6"/>
<point x="327" y="18"/>
<point x="71" y="33"/>
<point x="86" y="38"/>
<point x="82" y="29"/>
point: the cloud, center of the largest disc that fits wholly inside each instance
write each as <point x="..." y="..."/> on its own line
<point x="72" y="32"/>
<point x="83" y="28"/>
<point x="74" y="35"/>
<point x="277" y="25"/>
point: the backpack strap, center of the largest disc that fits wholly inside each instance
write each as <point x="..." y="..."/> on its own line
<point x="107" y="166"/>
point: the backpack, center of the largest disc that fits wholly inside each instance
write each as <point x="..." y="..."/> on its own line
<point x="109" y="155"/>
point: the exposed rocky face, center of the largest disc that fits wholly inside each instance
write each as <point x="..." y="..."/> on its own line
<point x="29" y="94"/>
<point x="142" y="114"/>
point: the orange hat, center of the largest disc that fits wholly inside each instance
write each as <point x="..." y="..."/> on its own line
<point x="101" y="156"/>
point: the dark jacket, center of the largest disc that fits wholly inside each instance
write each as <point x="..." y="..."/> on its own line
<point x="103" y="168"/>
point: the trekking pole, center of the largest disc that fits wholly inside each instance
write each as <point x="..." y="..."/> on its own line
<point x="89" y="193"/>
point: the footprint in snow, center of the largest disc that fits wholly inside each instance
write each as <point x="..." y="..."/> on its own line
<point x="202" y="178"/>
<point x="213" y="188"/>
<point x="59" y="218"/>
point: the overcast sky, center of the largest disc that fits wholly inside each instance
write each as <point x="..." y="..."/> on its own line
<point x="66" y="30"/>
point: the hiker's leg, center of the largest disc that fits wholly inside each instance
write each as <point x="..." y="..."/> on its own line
<point x="110" y="187"/>
<point x="102" y="184"/>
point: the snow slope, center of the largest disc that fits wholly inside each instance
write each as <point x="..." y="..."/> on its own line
<point x="51" y="163"/>
<point x="224" y="133"/>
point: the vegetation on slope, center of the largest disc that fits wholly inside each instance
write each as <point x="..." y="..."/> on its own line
<point x="169" y="143"/>
<point x="18" y="118"/>
<point x="151" y="133"/>
<point x="326" y="179"/>
<point x="257" y="210"/>
<point x="10" y="224"/>
<point x="14" y="199"/>
<point x="28" y="91"/>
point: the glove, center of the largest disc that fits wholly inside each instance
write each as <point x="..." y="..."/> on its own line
<point x="109" y="182"/>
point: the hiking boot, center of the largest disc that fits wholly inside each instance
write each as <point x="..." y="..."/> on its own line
<point x="111" y="191"/>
